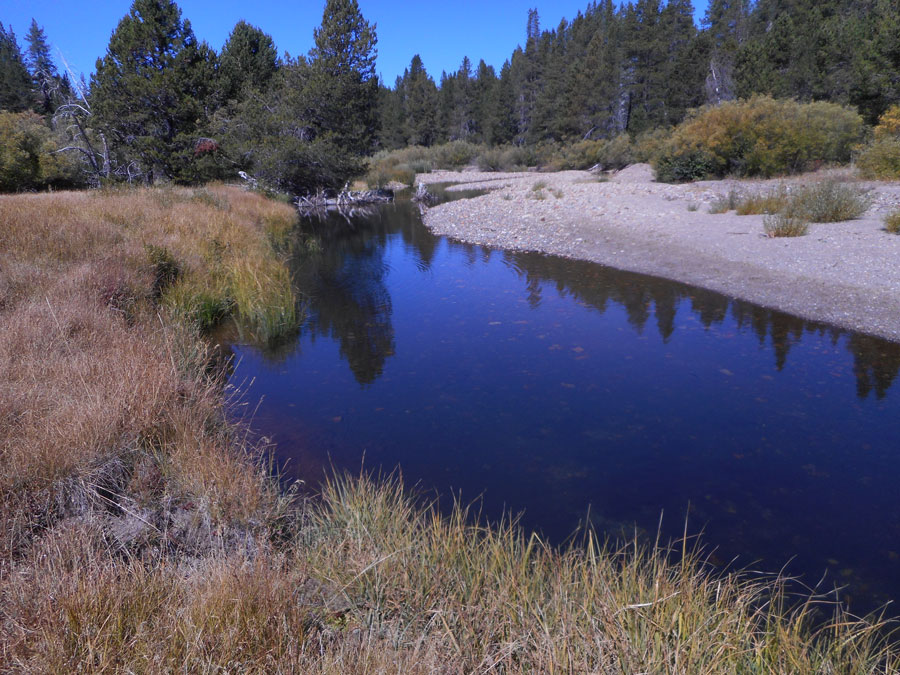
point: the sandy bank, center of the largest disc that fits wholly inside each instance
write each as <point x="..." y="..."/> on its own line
<point x="846" y="273"/>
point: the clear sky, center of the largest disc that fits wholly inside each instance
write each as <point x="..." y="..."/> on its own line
<point x="442" y="33"/>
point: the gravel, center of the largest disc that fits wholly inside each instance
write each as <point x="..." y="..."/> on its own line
<point x="847" y="274"/>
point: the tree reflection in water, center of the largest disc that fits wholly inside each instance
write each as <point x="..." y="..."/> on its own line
<point x="339" y="270"/>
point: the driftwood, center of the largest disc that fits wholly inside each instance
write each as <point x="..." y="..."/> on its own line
<point x="423" y="196"/>
<point x="344" y="199"/>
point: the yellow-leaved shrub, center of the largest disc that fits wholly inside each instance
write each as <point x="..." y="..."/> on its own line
<point x="760" y="136"/>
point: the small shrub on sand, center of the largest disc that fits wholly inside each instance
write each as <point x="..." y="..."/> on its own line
<point x="764" y="203"/>
<point x="726" y="203"/>
<point x="784" y="225"/>
<point x="828" y="202"/>
<point x="892" y="222"/>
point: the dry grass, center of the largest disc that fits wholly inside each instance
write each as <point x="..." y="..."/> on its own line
<point x="764" y="203"/>
<point x="892" y="222"/>
<point x="140" y="533"/>
<point x="785" y="225"/>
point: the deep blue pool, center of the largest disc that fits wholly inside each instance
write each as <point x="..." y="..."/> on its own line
<point x="573" y="391"/>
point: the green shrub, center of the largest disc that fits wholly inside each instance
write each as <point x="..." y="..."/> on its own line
<point x="609" y="154"/>
<point x="892" y="222"/>
<point x="784" y="225"/>
<point x="684" y="166"/>
<point x="28" y="157"/>
<point x="648" y="145"/>
<point x="880" y="160"/>
<point x="759" y="136"/>
<point x="827" y="202"/>
<point x="506" y="158"/>
<point x="166" y="269"/>
<point x="456" y="154"/>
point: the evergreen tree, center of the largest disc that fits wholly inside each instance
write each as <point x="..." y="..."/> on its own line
<point x="683" y="70"/>
<point x="503" y="121"/>
<point x="419" y="104"/>
<point x="248" y="59"/>
<point x="726" y="23"/>
<point x="648" y="54"/>
<point x="462" y="122"/>
<point x="44" y="76"/>
<point x="343" y="85"/>
<point x="485" y="101"/>
<point x="392" y="130"/>
<point x="152" y="90"/>
<point x="15" y="83"/>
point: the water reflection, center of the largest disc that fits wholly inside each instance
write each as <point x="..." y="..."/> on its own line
<point x="561" y="387"/>
<point x="339" y="268"/>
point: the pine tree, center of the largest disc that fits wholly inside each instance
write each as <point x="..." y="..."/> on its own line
<point x="485" y="101"/>
<point x="392" y="130"/>
<point x="683" y="70"/>
<point x="15" y="83"/>
<point x="44" y="76"/>
<point x="462" y="123"/>
<point x="419" y="104"/>
<point x="248" y="59"/>
<point x="503" y="121"/>
<point x="152" y="88"/>
<point x="726" y="24"/>
<point x="343" y="84"/>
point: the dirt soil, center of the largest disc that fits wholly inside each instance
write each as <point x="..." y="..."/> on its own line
<point x="846" y="273"/>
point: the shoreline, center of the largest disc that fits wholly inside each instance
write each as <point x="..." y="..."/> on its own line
<point x="846" y="274"/>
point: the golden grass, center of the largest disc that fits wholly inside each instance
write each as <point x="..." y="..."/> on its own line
<point x="139" y="532"/>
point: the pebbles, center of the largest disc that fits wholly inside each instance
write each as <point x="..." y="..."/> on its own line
<point x="847" y="274"/>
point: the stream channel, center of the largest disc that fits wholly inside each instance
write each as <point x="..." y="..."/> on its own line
<point x="576" y="393"/>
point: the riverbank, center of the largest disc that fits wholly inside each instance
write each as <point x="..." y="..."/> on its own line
<point x="141" y="531"/>
<point x="846" y="273"/>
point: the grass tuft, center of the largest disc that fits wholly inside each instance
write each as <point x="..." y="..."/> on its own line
<point x="726" y="203"/>
<point x="892" y="222"/>
<point x="785" y="225"/>
<point x="764" y="203"/>
<point x="828" y="201"/>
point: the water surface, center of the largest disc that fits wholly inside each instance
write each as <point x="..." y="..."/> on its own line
<point x="573" y="391"/>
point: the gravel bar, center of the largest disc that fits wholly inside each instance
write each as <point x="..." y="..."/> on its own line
<point x="847" y="273"/>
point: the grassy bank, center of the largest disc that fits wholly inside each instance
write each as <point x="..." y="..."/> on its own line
<point x="142" y="533"/>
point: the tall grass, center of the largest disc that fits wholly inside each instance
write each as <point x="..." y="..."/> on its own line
<point x="140" y="532"/>
<point x="370" y="582"/>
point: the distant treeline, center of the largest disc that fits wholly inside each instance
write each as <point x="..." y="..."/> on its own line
<point x="644" y="65"/>
<point x="164" y="105"/>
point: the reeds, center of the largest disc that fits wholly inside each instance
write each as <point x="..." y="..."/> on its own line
<point x="368" y="581"/>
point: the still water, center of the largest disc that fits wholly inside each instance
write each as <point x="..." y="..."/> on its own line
<point x="574" y="392"/>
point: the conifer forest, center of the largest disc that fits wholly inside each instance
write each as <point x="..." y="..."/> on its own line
<point x="164" y="104"/>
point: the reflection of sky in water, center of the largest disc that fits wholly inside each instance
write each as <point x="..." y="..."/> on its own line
<point x="550" y="385"/>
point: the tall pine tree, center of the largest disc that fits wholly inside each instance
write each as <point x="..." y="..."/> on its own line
<point x="15" y="82"/>
<point x="153" y="89"/>
<point x="49" y="88"/>
<point x="343" y="82"/>
<point x="248" y="60"/>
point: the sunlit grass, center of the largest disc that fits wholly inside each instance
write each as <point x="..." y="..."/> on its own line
<point x="141" y="532"/>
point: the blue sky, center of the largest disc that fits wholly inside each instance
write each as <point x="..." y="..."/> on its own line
<point x="441" y="32"/>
